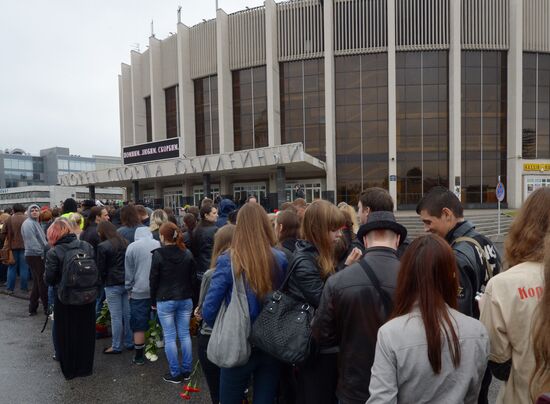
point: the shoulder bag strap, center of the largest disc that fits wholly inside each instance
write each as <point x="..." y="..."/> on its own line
<point x="291" y="267"/>
<point x="485" y="258"/>
<point x="384" y="296"/>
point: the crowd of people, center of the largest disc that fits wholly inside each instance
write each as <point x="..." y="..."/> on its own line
<point x="387" y="319"/>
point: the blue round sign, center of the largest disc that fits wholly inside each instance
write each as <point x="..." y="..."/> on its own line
<point x="500" y="192"/>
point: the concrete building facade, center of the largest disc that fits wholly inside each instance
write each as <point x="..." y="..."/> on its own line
<point x="329" y="98"/>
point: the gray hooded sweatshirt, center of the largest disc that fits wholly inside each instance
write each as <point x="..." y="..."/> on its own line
<point x="34" y="238"/>
<point x="137" y="263"/>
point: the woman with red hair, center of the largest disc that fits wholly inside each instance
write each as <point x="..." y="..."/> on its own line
<point x="429" y="352"/>
<point x="74" y="324"/>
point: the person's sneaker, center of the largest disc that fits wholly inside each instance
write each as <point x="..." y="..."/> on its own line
<point x="32" y="313"/>
<point x="185" y="376"/>
<point x="138" y="361"/>
<point x="9" y="292"/>
<point x="172" y="379"/>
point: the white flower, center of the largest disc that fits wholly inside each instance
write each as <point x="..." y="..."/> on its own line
<point x="148" y="355"/>
<point x="153" y="358"/>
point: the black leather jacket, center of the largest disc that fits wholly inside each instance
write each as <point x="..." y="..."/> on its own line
<point x="305" y="283"/>
<point x="90" y="235"/>
<point x="349" y="316"/>
<point x="110" y="263"/>
<point x="202" y="244"/>
<point x="55" y="256"/>
<point x="471" y="269"/>
<point x="172" y="275"/>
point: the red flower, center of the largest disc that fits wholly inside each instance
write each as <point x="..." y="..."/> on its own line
<point x="100" y="328"/>
<point x="185" y="396"/>
<point x="191" y="389"/>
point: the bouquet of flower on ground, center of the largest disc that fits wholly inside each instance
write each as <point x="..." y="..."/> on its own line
<point x="193" y="385"/>
<point x="153" y="339"/>
<point x="104" y="319"/>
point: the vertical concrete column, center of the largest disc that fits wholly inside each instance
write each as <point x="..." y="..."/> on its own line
<point x="281" y="182"/>
<point x="206" y="185"/>
<point x="158" y="105"/>
<point x="186" y="95"/>
<point x="138" y="104"/>
<point x="225" y="187"/>
<point x="272" y="75"/>
<point x="225" y="94"/>
<point x="125" y="105"/>
<point x="392" y="105"/>
<point x="188" y="192"/>
<point x="455" y="103"/>
<point x="91" y="192"/>
<point x="515" y="100"/>
<point x="158" y="190"/>
<point x="330" y="110"/>
<point x="135" y="194"/>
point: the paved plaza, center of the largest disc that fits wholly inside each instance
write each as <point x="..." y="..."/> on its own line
<point x="29" y="375"/>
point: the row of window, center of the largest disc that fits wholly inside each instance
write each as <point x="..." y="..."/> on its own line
<point x="67" y="165"/>
<point x="174" y="199"/>
<point x="362" y="118"/>
<point x="25" y="195"/>
<point x="18" y="164"/>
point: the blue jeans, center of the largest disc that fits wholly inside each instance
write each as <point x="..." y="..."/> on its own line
<point x="175" y="315"/>
<point x="119" y="307"/>
<point x="21" y="263"/>
<point x="265" y="371"/>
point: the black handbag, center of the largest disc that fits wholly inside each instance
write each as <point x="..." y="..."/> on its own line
<point x="283" y="327"/>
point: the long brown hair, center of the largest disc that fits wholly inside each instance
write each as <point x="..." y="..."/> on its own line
<point x="540" y="379"/>
<point x="251" y="248"/>
<point x="320" y="218"/>
<point x="172" y="234"/>
<point x="525" y="241"/>
<point x="428" y="277"/>
<point x="222" y="242"/>
<point x="107" y="231"/>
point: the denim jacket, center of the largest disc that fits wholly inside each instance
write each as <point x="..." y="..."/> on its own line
<point x="221" y="287"/>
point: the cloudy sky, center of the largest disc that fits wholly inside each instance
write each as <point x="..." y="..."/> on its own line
<point x="60" y="64"/>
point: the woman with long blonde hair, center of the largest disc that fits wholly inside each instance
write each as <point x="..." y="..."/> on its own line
<point x="158" y="218"/>
<point x="311" y="265"/>
<point x="512" y="297"/>
<point x="252" y="255"/>
<point x="540" y="379"/>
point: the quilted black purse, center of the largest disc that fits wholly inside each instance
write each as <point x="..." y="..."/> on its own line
<point x="283" y="327"/>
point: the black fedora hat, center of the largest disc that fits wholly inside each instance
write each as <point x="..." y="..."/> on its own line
<point x="382" y="220"/>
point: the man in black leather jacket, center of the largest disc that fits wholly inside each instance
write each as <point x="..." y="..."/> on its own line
<point x="202" y="241"/>
<point x="442" y="213"/>
<point x="352" y="307"/>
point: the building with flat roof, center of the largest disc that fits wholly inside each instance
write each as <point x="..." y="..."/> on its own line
<point x="328" y="98"/>
<point x="54" y="195"/>
<point x="19" y="168"/>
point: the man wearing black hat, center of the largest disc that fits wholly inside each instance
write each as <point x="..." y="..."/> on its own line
<point x="357" y="301"/>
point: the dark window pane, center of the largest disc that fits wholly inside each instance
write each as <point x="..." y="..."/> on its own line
<point x="361" y="124"/>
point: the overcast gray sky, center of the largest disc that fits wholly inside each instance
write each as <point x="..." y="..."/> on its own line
<point x="60" y="61"/>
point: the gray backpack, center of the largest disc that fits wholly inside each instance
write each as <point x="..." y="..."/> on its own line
<point x="228" y="346"/>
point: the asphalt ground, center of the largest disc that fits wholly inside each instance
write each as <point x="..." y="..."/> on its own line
<point x="29" y="375"/>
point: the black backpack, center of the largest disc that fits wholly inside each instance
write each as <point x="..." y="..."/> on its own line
<point x="79" y="279"/>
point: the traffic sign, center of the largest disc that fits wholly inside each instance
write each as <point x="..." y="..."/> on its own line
<point x="500" y="191"/>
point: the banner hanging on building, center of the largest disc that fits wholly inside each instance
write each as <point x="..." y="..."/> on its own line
<point x="164" y="149"/>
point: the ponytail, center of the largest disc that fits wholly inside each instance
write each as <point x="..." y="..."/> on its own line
<point x="172" y="233"/>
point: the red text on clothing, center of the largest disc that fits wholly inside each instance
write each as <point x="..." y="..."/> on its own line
<point x="525" y="293"/>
